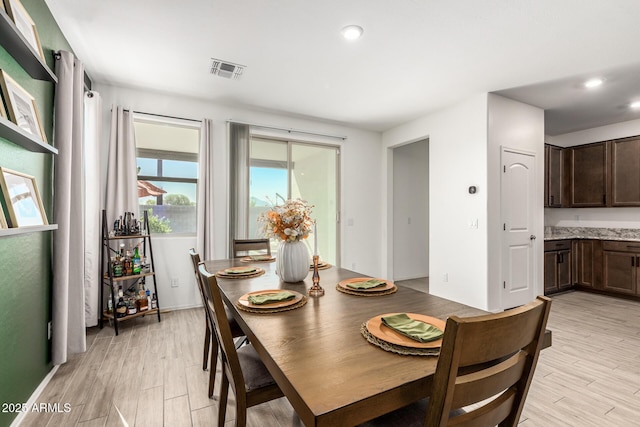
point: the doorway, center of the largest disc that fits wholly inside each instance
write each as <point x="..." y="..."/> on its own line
<point x="411" y="211"/>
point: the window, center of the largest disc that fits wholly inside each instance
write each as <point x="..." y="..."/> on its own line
<point x="167" y="160"/>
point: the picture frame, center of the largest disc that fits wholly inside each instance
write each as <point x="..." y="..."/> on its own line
<point x="25" y="24"/>
<point x="21" y="107"/>
<point x="22" y="198"/>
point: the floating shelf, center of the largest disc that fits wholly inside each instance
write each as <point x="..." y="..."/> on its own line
<point x="11" y="132"/>
<point x="15" y="43"/>
<point x="26" y="230"/>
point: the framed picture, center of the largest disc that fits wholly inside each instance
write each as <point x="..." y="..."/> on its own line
<point x="21" y="106"/>
<point x="22" y="198"/>
<point x="25" y="24"/>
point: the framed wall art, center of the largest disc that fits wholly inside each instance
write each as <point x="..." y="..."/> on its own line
<point x="21" y="106"/>
<point x="25" y="24"/>
<point x="21" y="195"/>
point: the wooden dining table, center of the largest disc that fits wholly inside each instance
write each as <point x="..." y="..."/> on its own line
<point x="329" y="372"/>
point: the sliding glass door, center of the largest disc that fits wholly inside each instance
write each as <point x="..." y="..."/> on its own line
<point x="281" y="170"/>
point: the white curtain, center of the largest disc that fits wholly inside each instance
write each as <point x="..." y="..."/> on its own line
<point x="239" y="138"/>
<point x="68" y="321"/>
<point x="204" y="219"/>
<point x="122" y="177"/>
<point x="93" y="205"/>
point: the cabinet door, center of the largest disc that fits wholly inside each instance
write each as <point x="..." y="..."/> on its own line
<point x="550" y="272"/>
<point x="588" y="183"/>
<point x="625" y="172"/>
<point x="583" y="266"/>
<point x="546" y="175"/>
<point x="555" y="173"/>
<point x="619" y="271"/>
<point x="564" y="269"/>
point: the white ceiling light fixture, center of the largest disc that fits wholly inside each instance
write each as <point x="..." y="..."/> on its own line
<point x="593" y="83"/>
<point x="352" y="32"/>
<point x="635" y="105"/>
<point x="226" y="69"/>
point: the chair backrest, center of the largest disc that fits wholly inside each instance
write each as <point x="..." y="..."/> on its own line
<point x="215" y="307"/>
<point x="483" y="357"/>
<point x="242" y="247"/>
<point x="195" y="259"/>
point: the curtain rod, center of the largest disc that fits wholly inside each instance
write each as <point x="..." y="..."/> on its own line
<point x="162" y="115"/>
<point x="343" y="138"/>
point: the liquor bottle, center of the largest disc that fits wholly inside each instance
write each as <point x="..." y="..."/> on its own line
<point x="110" y="307"/>
<point x="154" y="301"/>
<point x="121" y="308"/>
<point x="137" y="265"/>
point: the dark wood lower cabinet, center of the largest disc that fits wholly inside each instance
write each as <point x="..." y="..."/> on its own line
<point x="620" y="267"/>
<point x="557" y="266"/>
<point x="587" y="260"/>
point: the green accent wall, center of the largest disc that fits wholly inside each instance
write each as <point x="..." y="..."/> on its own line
<point x="25" y="260"/>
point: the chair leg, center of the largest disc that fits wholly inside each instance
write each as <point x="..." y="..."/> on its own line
<point x="214" y="365"/>
<point x="207" y="343"/>
<point x="222" y="404"/>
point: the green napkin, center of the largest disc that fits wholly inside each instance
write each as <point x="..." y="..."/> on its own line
<point x="414" y="329"/>
<point x="273" y="297"/>
<point x="236" y="270"/>
<point x="367" y="284"/>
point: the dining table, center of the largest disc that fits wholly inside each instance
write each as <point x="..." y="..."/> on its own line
<point x="317" y="353"/>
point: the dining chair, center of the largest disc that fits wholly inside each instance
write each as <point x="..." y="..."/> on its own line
<point x="241" y="247"/>
<point x="484" y="370"/>
<point x="210" y="340"/>
<point x="242" y="368"/>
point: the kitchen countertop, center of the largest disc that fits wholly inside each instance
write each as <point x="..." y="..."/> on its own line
<point x="564" y="233"/>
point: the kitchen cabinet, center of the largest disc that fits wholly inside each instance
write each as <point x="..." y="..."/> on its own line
<point x="625" y="172"/>
<point x="554" y="176"/>
<point x="557" y="266"/>
<point x="587" y="256"/>
<point x="588" y="175"/>
<point x="620" y="265"/>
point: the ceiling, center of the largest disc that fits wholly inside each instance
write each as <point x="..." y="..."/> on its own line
<point x="415" y="56"/>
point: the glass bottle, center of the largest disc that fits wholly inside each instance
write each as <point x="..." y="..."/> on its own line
<point x="121" y="308"/>
<point x="136" y="261"/>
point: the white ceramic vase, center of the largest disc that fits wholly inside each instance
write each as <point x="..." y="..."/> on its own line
<point x="292" y="262"/>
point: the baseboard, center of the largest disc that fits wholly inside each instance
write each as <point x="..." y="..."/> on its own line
<point x="34" y="396"/>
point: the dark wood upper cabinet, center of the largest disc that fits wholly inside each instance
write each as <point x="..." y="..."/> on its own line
<point x="555" y="173"/>
<point x="625" y="172"/>
<point x="588" y="183"/>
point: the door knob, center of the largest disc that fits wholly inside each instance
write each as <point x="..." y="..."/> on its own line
<point x="532" y="237"/>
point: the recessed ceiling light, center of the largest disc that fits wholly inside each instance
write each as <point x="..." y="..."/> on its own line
<point x="593" y="83"/>
<point x="352" y="32"/>
<point x="635" y="104"/>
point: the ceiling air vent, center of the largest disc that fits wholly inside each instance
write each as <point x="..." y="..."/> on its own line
<point x="226" y="69"/>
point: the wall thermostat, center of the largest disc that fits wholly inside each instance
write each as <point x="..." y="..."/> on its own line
<point x="472" y="189"/>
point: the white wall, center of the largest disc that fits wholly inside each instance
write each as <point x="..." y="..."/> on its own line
<point x="515" y="125"/>
<point x="411" y="211"/>
<point x="361" y="199"/>
<point x="594" y="217"/>
<point x="457" y="159"/>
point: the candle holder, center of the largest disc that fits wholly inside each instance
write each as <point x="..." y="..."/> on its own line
<point x="316" y="290"/>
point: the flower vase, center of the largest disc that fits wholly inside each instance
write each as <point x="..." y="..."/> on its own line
<point x="292" y="262"/>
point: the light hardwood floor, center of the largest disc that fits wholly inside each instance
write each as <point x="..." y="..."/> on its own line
<point x="151" y="374"/>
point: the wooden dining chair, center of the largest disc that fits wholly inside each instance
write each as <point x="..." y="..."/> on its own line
<point x="241" y="368"/>
<point x="485" y="366"/>
<point x="241" y="247"/>
<point x="210" y="340"/>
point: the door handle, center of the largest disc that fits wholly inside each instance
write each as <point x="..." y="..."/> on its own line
<point x="532" y="237"/>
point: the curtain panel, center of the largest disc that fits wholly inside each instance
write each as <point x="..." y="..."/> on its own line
<point x="68" y="296"/>
<point x="239" y="140"/>
<point x="204" y="219"/>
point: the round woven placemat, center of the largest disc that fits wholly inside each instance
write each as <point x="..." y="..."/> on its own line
<point x="257" y="260"/>
<point x="321" y="266"/>
<point x="240" y="276"/>
<point x="367" y="294"/>
<point x="299" y="304"/>
<point x="398" y="349"/>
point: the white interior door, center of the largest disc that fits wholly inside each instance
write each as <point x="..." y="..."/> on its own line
<point x="519" y="241"/>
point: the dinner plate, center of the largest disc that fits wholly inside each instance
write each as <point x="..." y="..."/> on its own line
<point x="243" y="300"/>
<point x="385" y="333"/>
<point x="240" y="272"/>
<point x="258" y="258"/>
<point x="387" y="286"/>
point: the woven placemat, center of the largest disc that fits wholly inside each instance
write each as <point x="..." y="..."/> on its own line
<point x="240" y="276"/>
<point x="247" y="259"/>
<point x="367" y="294"/>
<point x="321" y="266"/>
<point x="299" y="304"/>
<point x="398" y="349"/>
